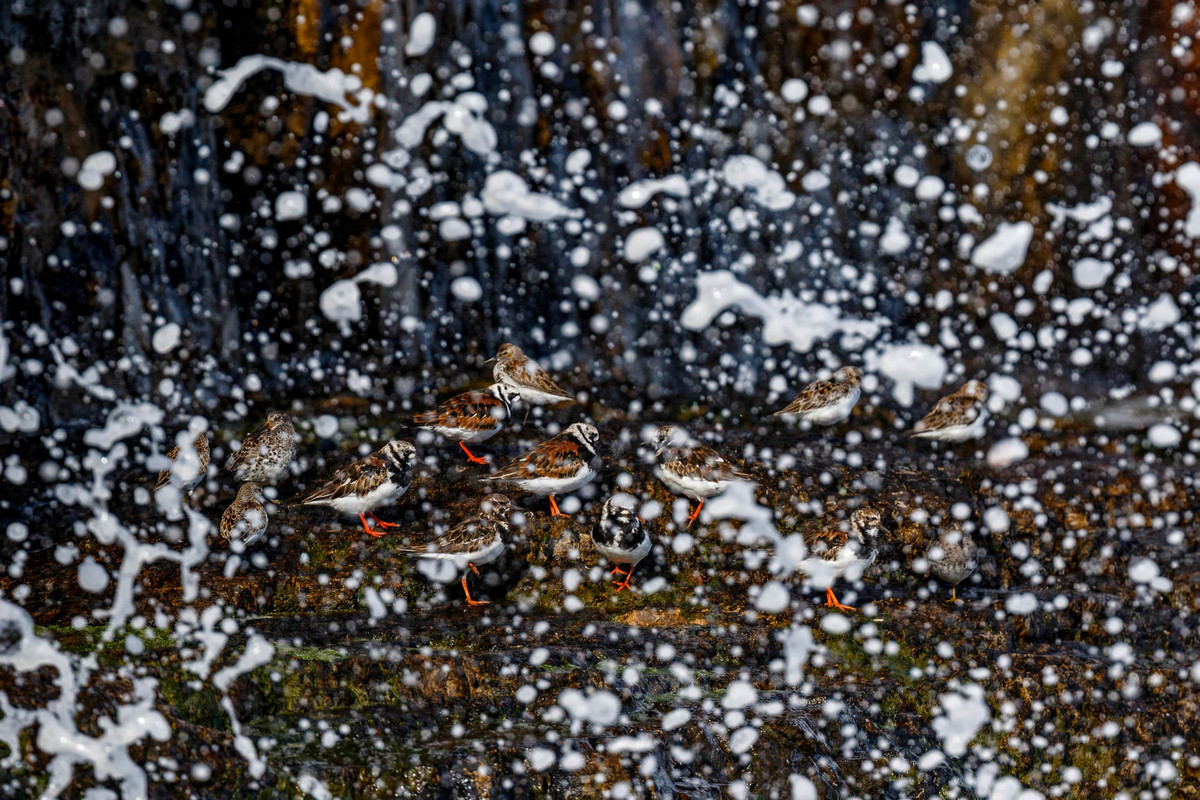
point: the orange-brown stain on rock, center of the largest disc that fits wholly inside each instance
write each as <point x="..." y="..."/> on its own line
<point x="306" y="27"/>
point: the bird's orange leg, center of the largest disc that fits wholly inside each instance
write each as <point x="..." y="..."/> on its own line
<point x="384" y="524"/>
<point x="616" y="570"/>
<point x="474" y="459"/>
<point x="831" y="601"/>
<point x="367" y="528"/>
<point x="625" y="583"/>
<point x="467" y="591"/>
<point x="554" y="512"/>
<point x="695" y="514"/>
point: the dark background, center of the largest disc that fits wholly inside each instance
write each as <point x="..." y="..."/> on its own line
<point x="150" y="247"/>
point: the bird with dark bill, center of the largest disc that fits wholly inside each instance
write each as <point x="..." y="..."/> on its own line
<point x="559" y="465"/>
<point x="471" y="417"/>
<point x="826" y="402"/>
<point x="952" y="556"/>
<point x="245" y="520"/>
<point x="188" y="471"/>
<point x="845" y="549"/>
<point x="620" y="536"/>
<point x="525" y="376"/>
<point x="956" y="417"/>
<point x="373" y="482"/>
<point x="265" y="454"/>
<point x="691" y="469"/>
<point x="476" y="540"/>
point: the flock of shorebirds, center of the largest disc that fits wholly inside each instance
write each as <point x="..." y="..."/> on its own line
<point x="565" y="463"/>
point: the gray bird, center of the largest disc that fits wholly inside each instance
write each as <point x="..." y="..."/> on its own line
<point x="246" y="518"/>
<point x="190" y="471"/>
<point x="265" y="454"/>
<point x="952" y="556"/>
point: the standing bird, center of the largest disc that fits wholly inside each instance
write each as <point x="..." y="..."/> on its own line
<point x="620" y="536"/>
<point x="692" y="469"/>
<point x="378" y="480"/>
<point x="556" y="466"/>
<point x="524" y="376"/>
<point x="829" y="401"/>
<point x="188" y="471"/>
<point x="476" y="540"/>
<point x="841" y="549"/>
<point x="246" y="518"/>
<point x="952" y="556"/>
<point x="471" y="417"/>
<point x="265" y="454"/>
<point x="956" y="417"/>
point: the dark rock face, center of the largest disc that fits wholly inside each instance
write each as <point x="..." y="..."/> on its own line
<point x="184" y="230"/>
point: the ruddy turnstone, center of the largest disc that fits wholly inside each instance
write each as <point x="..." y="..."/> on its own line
<point x="952" y="556"/>
<point x="378" y="480"/>
<point x="524" y="376"/>
<point x="265" y="454"/>
<point x="556" y="466"/>
<point x="471" y="417"/>
<point x="829" y="401"/>
<point x="692" y="469"/>
<point x="246" y="518"/>
<point x="476" y="540"/>
<point x="956" y="417"/>
<point x="841" y="549"/>
<point x="188" y="471"/>
<point x="620" y="536"/>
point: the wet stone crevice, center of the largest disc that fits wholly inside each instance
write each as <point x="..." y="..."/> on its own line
<point x="438" y="699"/>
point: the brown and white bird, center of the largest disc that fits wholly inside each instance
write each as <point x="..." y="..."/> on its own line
<point x="373" y="482"/>
<point x="189" y="470"/>
<point x="556" y="466"/>
<point x="266" y="453"/>
<point x="829" y="401"/>
<point x="620" y="536"/>
<point x="842" y="549"/>
<point x="524" y="376"/>
<point x="476" y="540"/>
<point x="952" y="556"/>
<point x="245" y="520"/>
<point x="956" y="417"/>
<point x="471" y="417"/>
<point x="691" y="469"/>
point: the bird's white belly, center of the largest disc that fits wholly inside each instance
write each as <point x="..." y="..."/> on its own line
<point x="483" y="555"/>
<point x="463" y="434"/>
<point x="689" y="486"/>
<point x="849" y="563"/>
<point x="544" y="486"/>
<point x="355" y="504"/>
<point x="621" y="556"/>
<point x="833" y="413"/>
<point x="534" y="396"/>
<point x="958" y="433"/>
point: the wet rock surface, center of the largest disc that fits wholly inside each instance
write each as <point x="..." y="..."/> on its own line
<point x="384" y="683"/>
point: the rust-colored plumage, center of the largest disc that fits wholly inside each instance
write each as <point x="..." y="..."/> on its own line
<point x="558" y="465"/>
<point x="378" y="480"/>
<point x="470" y="417"/>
